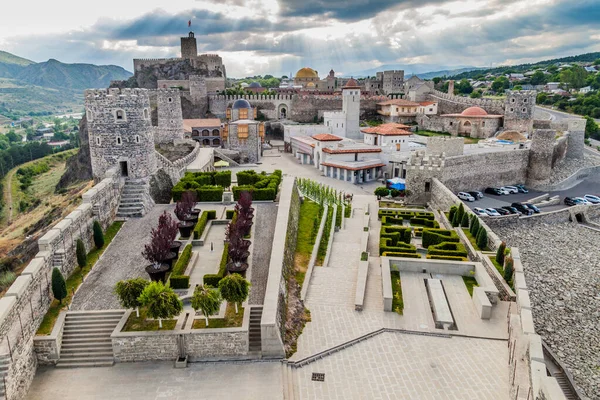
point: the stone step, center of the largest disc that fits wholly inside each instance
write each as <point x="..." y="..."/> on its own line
<point x="84" y="355"/>
<point x="131" y="200"/>
<point x="87" y="340"/>
<point x="92" y="314"/>
<point x="107" y="330"/>
<point x="78" y="335"/>
<point x="87" y="347"/>
<point x="130" y="207"/>
<point x="85" y="363"/>
<point x="94" y="321"/>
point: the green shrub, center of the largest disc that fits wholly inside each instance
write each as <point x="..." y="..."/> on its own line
<point x="508" y="269"/>
<point x="211" y="214"/>
<point x="179" y="282"/>
<point x="396" y="233"/>
<point x="6" y="279"/>
<point x="500" y="253"/>
<point x="465" y="221"/>
<point x="348" y="211"/>
<point x="418" y="231"/>
<point x="210" y="193"/>
<point x="424" y="222"/>
<point x="449" y="258"/>
<point x="385" y="245"/>
<point x="183" y="261"/>
<point x="448" y="249"/>
<point x="214" y="279"/>
<point x="248" y="177"/>
<point x="400" y="254"/>
<point x="59" y="286"/>
<point x="223" y="178"/>
<point x="229" y="214"/>
<point x="98" y="235"/>
<point x="81" y="254"/>
<point x="460" y="213"/>
<point x="202" y="221"/>
<point x="451" y="213"/>
<point x="474" y="229"/>
<point x="364" y="256"/>
<point x="482" y="238"/>
<point x="382" y="191"/>
<point x="432" y="237"/>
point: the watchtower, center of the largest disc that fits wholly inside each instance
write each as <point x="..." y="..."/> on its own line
<point x="120" y="132"/>
<point x="518" y="111"/>
<point x="170" y="117"/>
<point x="351" y="109"/>
<point x="189" y="48"/>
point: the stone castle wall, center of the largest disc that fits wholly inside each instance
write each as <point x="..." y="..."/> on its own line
<point x="26" y="302"/>
<point x="518" y="111"/>
<point x="449" y="146"/>
<point x="170" y="116"/>
<point x="540" y="156"/>
<point x="451" y="104"/>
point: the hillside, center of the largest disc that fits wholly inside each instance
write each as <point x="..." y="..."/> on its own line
<point x="588" y="57"/>
<point x="8" y="58"/>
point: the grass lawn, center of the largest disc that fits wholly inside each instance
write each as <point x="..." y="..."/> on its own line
<point x="470" y="282"/>
<point x="75" y="279"/>
<point x="308" y="227"/>
<point x="397" y="302"/>
<point x="473" y="240"/>
<point x="231" y="320"/>
<point x="135" y="324"/>
<point x="499" y="267"/>
<point x="325" y="238"/>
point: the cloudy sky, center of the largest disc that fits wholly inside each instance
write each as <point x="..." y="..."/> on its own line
<point x="280" y="36"/>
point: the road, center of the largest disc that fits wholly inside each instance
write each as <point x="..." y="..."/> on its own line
<point x="556" y="115"/>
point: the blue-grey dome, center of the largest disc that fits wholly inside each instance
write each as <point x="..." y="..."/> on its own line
<point x="255" y="85"/>
<point x="241" y="103"/>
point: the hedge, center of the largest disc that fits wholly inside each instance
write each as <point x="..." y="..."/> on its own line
<point x="448" y="249"/>
<point x="396" y="233"/>
<point x="214" y="279"/>
<point x="418" y="231"/>
<point x="202" y="221"/>
<point x="402" y="214"/>
<point x="449" y="258"/>
<point x="223" y="178"/>
<point x="400" y="247"/>
<point x="432" y="236"/>
<point x="179" y="282"/>
<point x="424" y="222"/>
<point x="204" y="193"/>
<point x="268" y="193"/>
<point x="229" y="214"/>
<point x="400" y="254"/>
<point x="248" y="177"/>
<point x="183" y="261"/>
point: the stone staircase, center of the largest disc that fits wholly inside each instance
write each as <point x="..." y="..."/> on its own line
<point x="86" y="339"/>
<point x="223" y="157"/>
<point x="134" y="200"/>
<point x="289" y="386"/>
<point x="4" y="364"/>
<point x="254" y="335"/>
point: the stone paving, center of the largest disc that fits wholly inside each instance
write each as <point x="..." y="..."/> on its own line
<point x="262" y="243"/>
<point x="159" y="380"/>
<point x="403" y="366"/>
<point x="122" y="260"/>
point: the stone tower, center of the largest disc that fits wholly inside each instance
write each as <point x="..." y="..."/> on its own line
<point x="351" y="109"/>
<point x="576" y="138"/>
<point x="518" y="111"/>
<point x="189" y="48"/>
<point x="170" y="117"/>
<point x="120" y="132"/>
<point x="540" y="156"/>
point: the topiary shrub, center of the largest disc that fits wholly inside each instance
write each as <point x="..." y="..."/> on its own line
<point x="448" y="249"/>
<point x="98" y="235"/>
<point x="500" y="253"/>
<point x="400" y="254"/>
<point x="179" y="281"/>
<point x="482" y="238"/>
<point x="474" y="229"/>
<point x="81" y="254"/>
<point x="451" y="213"/>
<point x="382" y="191"/>
<point x="460" y="213"/>
<point x="465" y="221"/>
<point x="449" y="258"/>
<point x="229" y="214"/>
<point x="385" y="246"/>
<point x="508" y="269"/>
<point x="432" y="237"/>
<point x="59" y="286"/>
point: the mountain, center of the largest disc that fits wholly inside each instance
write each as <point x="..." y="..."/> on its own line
<point x="7" y="58"/>
<point x="422" y="70"/>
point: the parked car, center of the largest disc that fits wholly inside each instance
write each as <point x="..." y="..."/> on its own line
<point x="479" y="211"/>
<point x="494" y="191"/>
<point x="523" y="209"/>
<point x="532" y="207"/>
<point x="522" y="188"/>
<point x="510" y="189"/>
<point x="465" y="196"/>
<point x="492" y="212"/>
<point x="504" y="191"/>
<point x="592" y="199"/>
<point x="477" y="194"/>
<point x="502" y="211"/>
<point x="571" y="201"/>
<point x="583" y="201"/>
<point x="512" y="210"/>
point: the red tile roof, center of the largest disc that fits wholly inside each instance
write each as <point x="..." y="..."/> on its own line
<point x="327" y="137"/>
<point x="426" y="103"/>
<point x="351" y="84"/>
<point x="391" y="129"/>
<point x="326" y="164"/>
<point x="398" y="102"/>
<point x="344" y="150"/>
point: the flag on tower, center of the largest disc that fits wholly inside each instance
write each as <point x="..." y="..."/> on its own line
<point x="189" y="23"/>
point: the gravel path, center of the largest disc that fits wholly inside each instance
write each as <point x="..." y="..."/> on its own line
<point x="562" y="272"/>
<point x="122" y="260"/>
<point x="264" y="229"/>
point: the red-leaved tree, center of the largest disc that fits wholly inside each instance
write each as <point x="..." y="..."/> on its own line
<point x="167" y="226"/>
<point x="185" y="205"/>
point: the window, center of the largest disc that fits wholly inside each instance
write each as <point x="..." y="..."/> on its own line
<point x="512" y="100"/>
<point x="172" y="122"/>
<point x="242" y="131"/>
<point x="98" y="141"/>
<point x="512" y="109"/>
<point x="524" y="110"/>
<point x="427" y="186"/>
<point x="137" y="139"/>
<point x="483" y="123"/>
<point x="450" y="123"/>
<point x="146" y="113"/>
<point x="119" y="142"/>
<point x="205" y="132"/>
<point x="215" y="132"/>
<point x="243" y="113"/>
<point x="170" y="99"/>
<point x="524" y="100"/>
<point x="120" y="114"/>
<point x="90" y="116"/>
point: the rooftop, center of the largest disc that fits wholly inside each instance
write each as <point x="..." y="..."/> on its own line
<point x="398" y="102"/>
<point x="327" y="137"/>
<point x="391" y="129"/>
<point x="189" y="124"/>
<point x="355" y="165"/>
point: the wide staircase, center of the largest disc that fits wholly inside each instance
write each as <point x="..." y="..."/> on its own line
<point x="224" y="157"/>
<point x="132" y="200"/>
<point x="86" y="339"/>
<point x="254" y="336"/>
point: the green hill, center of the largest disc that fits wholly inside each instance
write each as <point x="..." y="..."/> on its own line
<point x="7" y="58"/>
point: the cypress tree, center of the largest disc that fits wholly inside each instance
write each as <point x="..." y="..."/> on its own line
<point x="500" y="253"/>
<point x="465" y="221"/>
<point x="482" y="238"/>
<point x="451" y="213"/>
<point x="474" y="227"/>
<point x="508" y="269"/>
<point x="460" y="212"/>
<point x="81" y="254"/>
<point x="59" y="286"/>
<point x="98" y="235"/>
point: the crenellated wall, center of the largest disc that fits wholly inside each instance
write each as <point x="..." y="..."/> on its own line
<point x="25" y="303"/>
<point x="451" y="104"/>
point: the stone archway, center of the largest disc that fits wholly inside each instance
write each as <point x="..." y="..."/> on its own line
<point x="465" y="128"/>
<point x="282" y="111"/>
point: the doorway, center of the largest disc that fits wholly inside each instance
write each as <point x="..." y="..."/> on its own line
<point x="124" y="169"/>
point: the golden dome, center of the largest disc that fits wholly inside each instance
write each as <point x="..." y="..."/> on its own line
<point x="307" y="73"/>
<point x="310" y="85"/>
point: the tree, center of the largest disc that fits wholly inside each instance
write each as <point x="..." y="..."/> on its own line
<point x="13" y="137"/>
<point x="184" y="207"/>
<point x="129" y="292"/>
<point x="81" y="254"/>
<point x="477" y="94"/>
<point x="474" y="229"/>
<point x="234" y="289"/>
<point x="382" y="191"/>
<point x="508" y="269"/>
<point x="98" y="235"/>
<point x="573" y="77"/>
<point x="160" y="301"/>
<point x="451" y="213"/>
<point x="541" y="98"/>
<point x="500" y="253"/>
<point x="482" y="238"/>
<point x="460" y="213"/>
<point x="167" y="226"/>
<point x="518" y="87"/>
<point x="465" y="221"/>
<point x="463" y="87"/>
<point x="59" y="286"/>
<point x="437" y="80"/>
<point x="591" y="127"/>
<point x="500" y="84"/>
<point x="158" y="249"/>
<point x="538" y="78"/>
<point x="206" y="299"/>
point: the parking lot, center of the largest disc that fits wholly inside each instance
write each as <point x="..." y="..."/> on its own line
<point x="588" y="186"/>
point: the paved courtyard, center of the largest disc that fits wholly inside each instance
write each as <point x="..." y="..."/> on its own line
<point x="122" y="260"/>
<point x="159" y="380"/>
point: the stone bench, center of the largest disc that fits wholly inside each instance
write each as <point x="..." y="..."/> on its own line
<point x="441" y="309"/>
<point x="361" y="285"/>
<point x="482" y="303"/>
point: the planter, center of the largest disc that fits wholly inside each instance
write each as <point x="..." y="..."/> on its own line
<point x="171" y="257"/>
<point x="175" y="246"/>
<point x="158" y="274"/>
<point x="181" y="362"/>
<point x="239" y="268"/>
<point x="186" y="228"/>
<point x="195" y="213"/>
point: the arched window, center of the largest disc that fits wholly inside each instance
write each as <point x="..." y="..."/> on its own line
<point x="119" y="142"/>
<point x="98" y="141"/>
<point x="216" y="132"/>
<point x="205" y="132"/>
<point x="145" y="113"/>
<point x="137" y="139"/>
<point x="90" y="115"/>
<point x="216" y="142"/>
<point x="512" y="100"/>
<point x="120" y="115"/>
<point x="512" y="109"/>
<point x="170" y="99"/>
<point x="206" y="142"/>
<point x="195" y="132"/>
<point x="524" y="100"/>
<point x="524" y="110"/>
